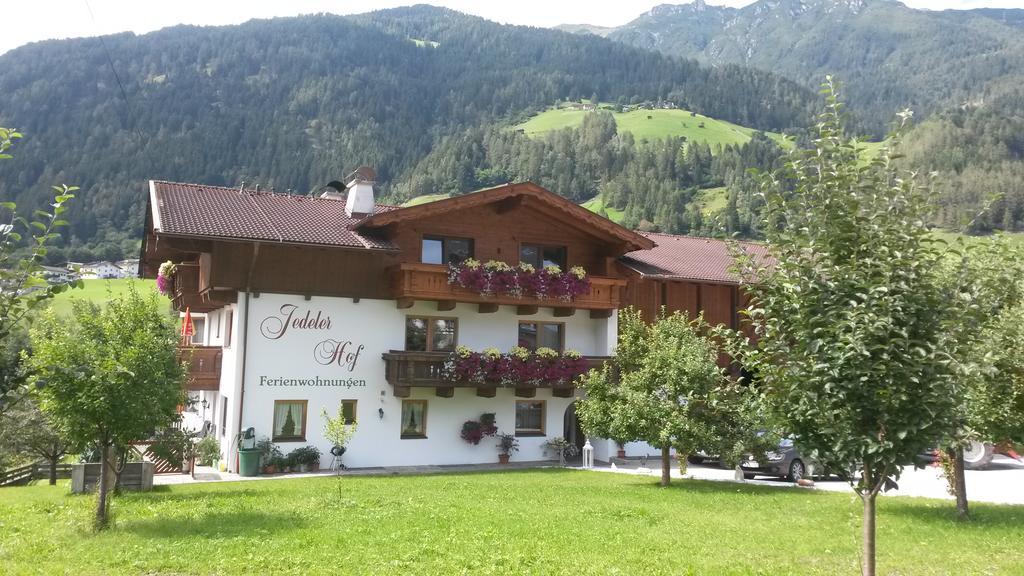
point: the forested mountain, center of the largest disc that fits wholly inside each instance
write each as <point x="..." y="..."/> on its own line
<point x="888" y="55"/>
<point x="653" y="182"/>
<point x="960" y="71"/>
<point x="297" y="102"/>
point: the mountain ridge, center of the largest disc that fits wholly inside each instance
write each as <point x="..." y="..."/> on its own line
<point x="925" y="60"/>
<point x="292" y="103"/>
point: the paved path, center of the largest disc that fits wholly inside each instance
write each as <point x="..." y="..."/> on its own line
<point x="1001" y="483"/>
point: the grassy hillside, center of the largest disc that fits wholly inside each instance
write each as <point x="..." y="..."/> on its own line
<point x="950" y="236"/>
<point x="596" y="205"/>
<point x="424" y="199"/>
<point x="712" y="200"/>
<point x="651" y="125"/>
<point x="99" y="291"/>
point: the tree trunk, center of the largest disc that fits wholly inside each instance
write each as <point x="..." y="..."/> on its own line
<point x="666" y="466"/>
<point x="101" y="503"/>
<point x="53" y="470"/>
<point x="960" y="483"/>
<point x="868" y="561"/>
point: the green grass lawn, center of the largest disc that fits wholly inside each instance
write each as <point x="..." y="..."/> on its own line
<point x="650" y="124"/>
<point x="98" y="291"/>
<point x="528" y="522"/>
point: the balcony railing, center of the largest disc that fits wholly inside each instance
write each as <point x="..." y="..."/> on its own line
<point x="406" y="370"/>
<point x="204" y="366"/>
<point x="412" y="282"/>
<point x="192" y="290"/>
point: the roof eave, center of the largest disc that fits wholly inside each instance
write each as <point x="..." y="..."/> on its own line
<point x="272" y="242"/>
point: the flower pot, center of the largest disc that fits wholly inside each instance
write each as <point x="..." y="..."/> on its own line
<point x="270" y="469"/>
<point x="503" y="458"/>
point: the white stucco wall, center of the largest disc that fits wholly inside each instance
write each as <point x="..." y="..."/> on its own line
<point x="377" y="326"/>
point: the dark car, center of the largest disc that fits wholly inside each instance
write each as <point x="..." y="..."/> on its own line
<point x="783" y="462"/>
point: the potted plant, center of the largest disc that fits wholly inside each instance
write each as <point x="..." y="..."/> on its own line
<point x="561" y="448"/>
<point x="507" y="444"/>
<point x="305" y="457"/>
<point x="473" y="431"/>
<point x="278" y="463"/>
<point x="269" y="455"/>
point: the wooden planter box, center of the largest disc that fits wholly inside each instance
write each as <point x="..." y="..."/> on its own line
<point x="136" y="476"/>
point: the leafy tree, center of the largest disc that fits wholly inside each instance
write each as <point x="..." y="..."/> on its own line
<point x="110" y="376"/>
<point x="989" y="277"/>
<point x="23" y="246"/>
<point x="664" y="387"/>
<point x="853" y="312"/>
<point x="997" y="401"/>
<point x="27" y="431"/>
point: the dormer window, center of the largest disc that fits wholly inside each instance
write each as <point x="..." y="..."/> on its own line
<point x="541" y="256"/>
<point x="445" y="250"/>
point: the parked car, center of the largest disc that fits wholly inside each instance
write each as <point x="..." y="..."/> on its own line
<point x="783" y="462"/>
<point x="977" y="455"/>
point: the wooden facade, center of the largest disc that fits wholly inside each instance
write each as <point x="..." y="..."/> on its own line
<point x="212" y="270"/>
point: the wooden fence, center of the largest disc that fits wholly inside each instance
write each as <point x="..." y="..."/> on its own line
<point x="29" y="472"/>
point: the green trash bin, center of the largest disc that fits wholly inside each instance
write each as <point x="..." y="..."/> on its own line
<point x="248" y="462"/>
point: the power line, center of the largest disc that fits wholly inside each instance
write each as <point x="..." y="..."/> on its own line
<point x="110" y="61"/>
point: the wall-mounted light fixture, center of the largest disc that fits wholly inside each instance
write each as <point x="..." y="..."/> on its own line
<point x="380" y="412"/>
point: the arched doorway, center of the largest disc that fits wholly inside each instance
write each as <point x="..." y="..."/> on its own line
<point x="571" y="429"/>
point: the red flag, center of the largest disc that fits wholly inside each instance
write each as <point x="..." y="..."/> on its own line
<point x="187" y="328"/>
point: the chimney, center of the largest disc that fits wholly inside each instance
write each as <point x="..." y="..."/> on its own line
<point x="333" y="190"/>
<point x="360" y="200"/>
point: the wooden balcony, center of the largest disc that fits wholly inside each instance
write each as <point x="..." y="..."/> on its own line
<point x="192" y="290"/>
<point x="407" y="370"/>
<point x="412" y="282"/>
<point x="204" y="366"/>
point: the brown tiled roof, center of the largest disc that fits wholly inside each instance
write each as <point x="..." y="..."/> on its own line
<point x="688" y="258"/>
<point x="215" y="211"/>
<point x="539" y="197"/>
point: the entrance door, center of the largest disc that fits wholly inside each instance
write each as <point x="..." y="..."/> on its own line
<point x="571" y="429"/>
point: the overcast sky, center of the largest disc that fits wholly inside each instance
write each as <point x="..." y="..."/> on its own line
<point x="30" y="20"/>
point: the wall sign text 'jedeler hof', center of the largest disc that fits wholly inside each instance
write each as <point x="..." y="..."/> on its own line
<point x="327" y="352"/>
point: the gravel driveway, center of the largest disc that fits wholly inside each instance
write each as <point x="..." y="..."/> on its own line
<point x="1001" y="483"/>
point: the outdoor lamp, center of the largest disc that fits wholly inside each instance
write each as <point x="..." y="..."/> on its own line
<point x="588" y="455"/>
<point x="204" y="403"/>
<point x="380" y="412"/>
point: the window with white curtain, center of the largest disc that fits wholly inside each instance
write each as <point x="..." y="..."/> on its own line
<point x="290" y="420"/>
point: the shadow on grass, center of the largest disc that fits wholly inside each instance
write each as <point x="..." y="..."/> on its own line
<point x="169" y="494"/>
<point x="983" y="516"/>
<point x="216" y="525"/>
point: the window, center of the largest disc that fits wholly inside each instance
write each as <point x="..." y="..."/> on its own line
<point x="227" y="328"/>
<point x="430" y="334"/>
<point x="529" y="417"/>
<point x="348" y="410"/>
<point x="290" y="420"/>
<point x="533" y="335"/>
<point x="440" y="250"/>
<point x="199" y="326"/>
<point x="541" y="256"/>
<point x="414" y="418"/>
<point x="223" y="416"/>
